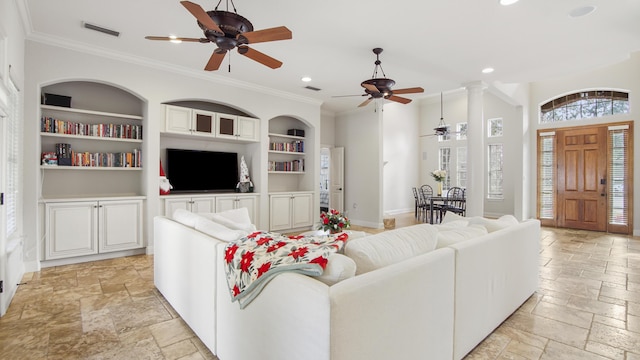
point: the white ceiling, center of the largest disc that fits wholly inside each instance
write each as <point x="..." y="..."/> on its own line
<point x="438" y="45"/>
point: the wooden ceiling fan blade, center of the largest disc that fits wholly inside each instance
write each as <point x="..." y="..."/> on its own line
<point x="215" y="60"/>
<point x="398" y="99"/>
<point x="413" y="90"/>
<point x="202" y="16"/>
<point x="370" y="87"/>
<point x="272" y="34"/>
<point x="167" y="38"/>
<point x="366" y="102"/>
<point x="256" y="55"/>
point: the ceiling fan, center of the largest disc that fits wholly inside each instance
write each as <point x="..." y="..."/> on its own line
<point x="442" y="129"/>
<point x="229" y="30"/>
<point x="378" y="88"/>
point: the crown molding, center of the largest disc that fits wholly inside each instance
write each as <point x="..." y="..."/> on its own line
<point x="163" y="66"/>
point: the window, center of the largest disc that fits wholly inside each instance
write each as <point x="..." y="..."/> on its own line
<point x="461" y="167"/>
<point x="445" y="137"/>
<point x="546" y="176"/>
<point x="13" y="160"/>
<point x="584" y="105"/>
<point x="445" y="164"/>
<point x="461" y="131"/>
<point x="495" y="172"/>
<point x="618" y="172"/>
<point x="495" y="127"/>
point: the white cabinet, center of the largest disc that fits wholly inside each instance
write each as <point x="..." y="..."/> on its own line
<point x="236" y="127"/>
<point x="182" y="120"/>
<point x="77" y="228"/>
<point x="290" y="210"/>
<point x="202" y="204"/>
<point x="230" y="202"/>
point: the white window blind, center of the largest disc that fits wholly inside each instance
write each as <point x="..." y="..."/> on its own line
<point x="495" y="189"/>
<point x="445" y="164"/>
<point x="546" y="176"/>
<point x="461" y="167"/>
<point x="618" y="173"/>
<point x="13" y="160"/>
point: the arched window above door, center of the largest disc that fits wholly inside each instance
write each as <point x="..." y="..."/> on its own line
<point x="584" y="105"/>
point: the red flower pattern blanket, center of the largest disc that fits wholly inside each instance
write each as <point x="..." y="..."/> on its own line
<point x="251" y="262"/>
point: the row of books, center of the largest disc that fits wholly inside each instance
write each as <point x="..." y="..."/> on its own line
<point x="120" y="131"/>
<point x="294" y="146"/>
<point x="88" y="159"/>
<point x="294" y="165"/>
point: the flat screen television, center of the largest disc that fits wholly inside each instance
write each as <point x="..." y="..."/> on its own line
<point x="202" y="171"/>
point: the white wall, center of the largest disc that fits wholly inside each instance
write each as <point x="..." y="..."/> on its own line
<point x="47" y="64"/>
<point x="624" y="76"/>
<point x="360" y="133"/>
<point x="400" y="124"/>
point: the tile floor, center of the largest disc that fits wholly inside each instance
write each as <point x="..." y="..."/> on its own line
<point x="587" y="307"/>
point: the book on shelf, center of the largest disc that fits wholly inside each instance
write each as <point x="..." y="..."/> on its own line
<point x="119" y="131"/>
<point x="287" y="166"/>
<point x="131" y="159"/>
<point x="49" y="158"/>
<point x="293" y="146"/>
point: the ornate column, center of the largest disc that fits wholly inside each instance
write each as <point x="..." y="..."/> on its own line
<point x="476" y="151"/>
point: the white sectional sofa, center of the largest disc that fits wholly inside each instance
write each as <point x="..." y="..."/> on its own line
<point x="421" y="292"/>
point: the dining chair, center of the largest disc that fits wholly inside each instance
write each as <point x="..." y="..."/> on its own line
<point x="427" y="193"/>
<point x="456" y="202"/>
<point x="419" y="203"/>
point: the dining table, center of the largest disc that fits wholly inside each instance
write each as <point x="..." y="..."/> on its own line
<point x="438" y="200"/>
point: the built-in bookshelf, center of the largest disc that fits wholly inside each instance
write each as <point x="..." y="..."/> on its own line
<point x="286" y="154"/>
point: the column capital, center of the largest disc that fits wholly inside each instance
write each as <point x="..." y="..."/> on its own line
<point x="475" y="85"/>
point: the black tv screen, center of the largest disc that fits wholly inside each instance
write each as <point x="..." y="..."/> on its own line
<point x="202" y="171"/>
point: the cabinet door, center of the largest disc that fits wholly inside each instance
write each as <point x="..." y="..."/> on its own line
<point x="171" y="205"/>
<point x="72" y="229"/>
<point x="247" y="128"/>
<point x="279" y="212"/>
<point x="224" y="203"/>
<point x="301" y="210"/>
<point x="177" y="119"/>
<point x="203" y="205"/>
<point x="203" y="122"/>
<point x="249" y="202"/>
<point x="120" y="225"/>
<point x="226" y="126"/>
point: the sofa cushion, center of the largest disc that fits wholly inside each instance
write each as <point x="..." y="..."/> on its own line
<point x="186" y="217"/>
<point x="451" y="236"/>
<point x="218" y="231"/>
<point x="237" y="219"/>
<point x="339" y="267"/>
<point x="494" y="224"/>
<point x="451" y="217"/>
<point x="389" y="247"/>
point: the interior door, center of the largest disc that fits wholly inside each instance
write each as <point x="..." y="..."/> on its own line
<point x="336" y="173"/>
<point x="4" y="301"/>
<point x="582" y="182"/>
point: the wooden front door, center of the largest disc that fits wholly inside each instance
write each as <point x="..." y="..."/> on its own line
<point x="582" y="178"/>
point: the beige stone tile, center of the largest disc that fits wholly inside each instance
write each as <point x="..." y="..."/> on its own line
<point x="632" y="356"/>
<point x="522" y="336"/>
<point x="634" y="308"/>
<point x="519" y="350"/>
<point x="633" y="323"/>
<point x="597" y="307"/>
<point x="605" y="350"/>
<point x="549" y="328"/>
<point x="556" y="350"/>
<point x="619" y="294"/>
<point x="138" y="314"/>
<point x="572" y="286"/>
<point x="620" y="324"/>
<point x="179" y="350"/>
<point x="609" y="278"/>
<point x="170" y="332"/>
<point x="98" y="302"/>
<point x="194" y="356"/>
<point x="614" y="337"/>
<point x="144" y="349"/>
<point x="564" y="314"/>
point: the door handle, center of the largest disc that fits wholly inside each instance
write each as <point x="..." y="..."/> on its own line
<point x="340" y="189"/>
<point x="603" y="194"/>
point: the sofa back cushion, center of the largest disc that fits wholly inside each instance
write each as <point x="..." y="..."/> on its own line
<point x="492" y="225"/>
<point x="389" y="247"/>
<point x="236" y="219"/>
<point x="449" y="236"/>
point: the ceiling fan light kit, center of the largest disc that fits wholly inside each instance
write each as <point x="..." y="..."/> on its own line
<point x="229" y="30"/>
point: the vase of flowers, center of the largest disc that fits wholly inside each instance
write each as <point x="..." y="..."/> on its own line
<point x="439" y="176"/>
<point x="333" y="221"/>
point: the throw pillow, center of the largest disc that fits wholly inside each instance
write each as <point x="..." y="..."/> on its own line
<point x="494" y="224"/>
<point x="186" y="217"/>
<point x="339" y="267"/>
<point x="218" y="231"/>
<point x="389" y="247"/>
<point x="237" y="219"/>
<point x="452" y="236"/>
<point x="450" y="216"/>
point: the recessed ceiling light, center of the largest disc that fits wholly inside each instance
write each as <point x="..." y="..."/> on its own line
<point x="306" y="79"/>
<point x="582" y="11"/>
<point x="174" y="39"/>
<point x="508" y="2"/>
<point x="488" y="70"/>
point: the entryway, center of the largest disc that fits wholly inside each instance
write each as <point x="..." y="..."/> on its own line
<point x="332" y="178"/>
<point x="584" y="177"/>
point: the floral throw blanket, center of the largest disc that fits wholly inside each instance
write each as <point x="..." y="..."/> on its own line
<point x="255" y="259"/>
